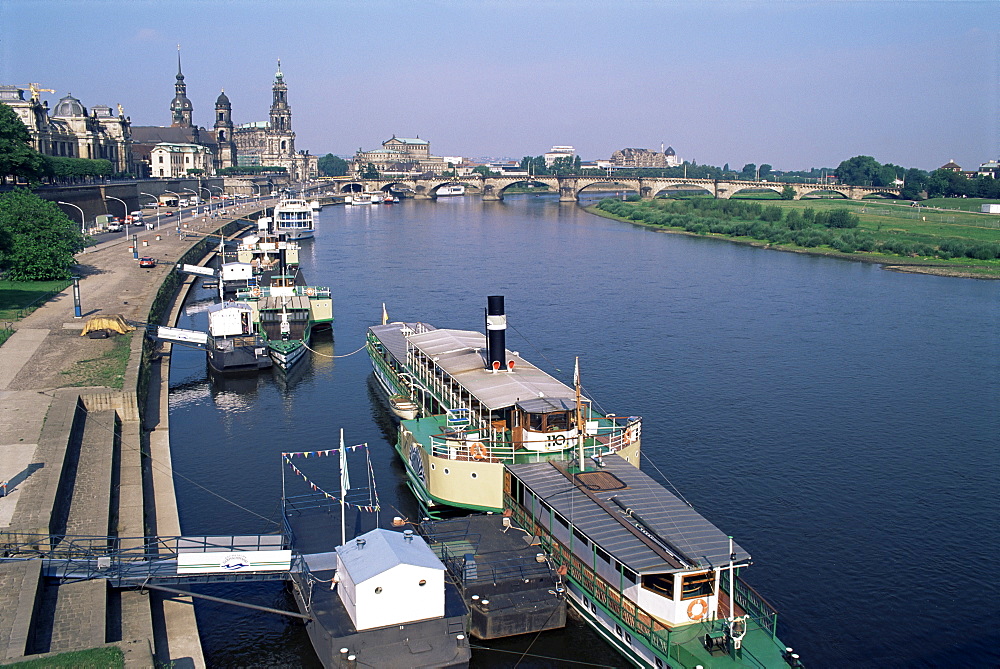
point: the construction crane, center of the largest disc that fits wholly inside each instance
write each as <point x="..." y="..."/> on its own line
<point x="36" y="89"/>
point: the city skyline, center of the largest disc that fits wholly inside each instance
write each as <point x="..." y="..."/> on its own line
<point x="792" y="84"/>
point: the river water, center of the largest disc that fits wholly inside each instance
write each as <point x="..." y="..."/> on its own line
<point x="841" y="421"/>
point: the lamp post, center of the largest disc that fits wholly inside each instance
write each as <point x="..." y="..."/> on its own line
<point x="196" y="196"/>
<point x="257" y="195"/>
<point x="157" y="200"/>
<point x="209" y="198"/>
<point x="222" y="197"/>
<point x="180" y="212"/>
<point x="83" y="222"/>
<point x="125" y="206"/>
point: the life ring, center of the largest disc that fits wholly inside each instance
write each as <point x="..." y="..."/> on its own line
<point x="562" y="570"/>
<point x="311" y="292"/>
<point x="478" y="452"/>
<point x="626" y="438"/>
<point x="256" y="291"/>
<point x="702" y="609"/>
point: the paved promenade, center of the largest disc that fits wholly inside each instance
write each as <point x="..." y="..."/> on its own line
<point x="71" y="453"/>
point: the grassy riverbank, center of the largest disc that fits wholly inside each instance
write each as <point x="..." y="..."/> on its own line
<point x="948" y="243"/>
<point x="20" y="298"/>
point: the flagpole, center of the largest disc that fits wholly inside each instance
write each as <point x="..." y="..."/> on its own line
<point x="343" y="492"/>
<point x="579" y="414"/>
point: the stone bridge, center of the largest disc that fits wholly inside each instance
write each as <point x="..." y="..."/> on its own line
<point x="570" y="187"/>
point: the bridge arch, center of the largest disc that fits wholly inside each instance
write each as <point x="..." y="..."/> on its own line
<point x="815" y="192"/>
<point x="352" y="187"/>
<point x="877" y="192"/>
<point x="527" y="181"/>
<point x="608" y="184"/>
<point x="693" y="188"/>
<point x="757" y="188"/>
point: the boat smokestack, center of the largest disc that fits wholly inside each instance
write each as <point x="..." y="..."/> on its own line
<point x="496" y="333"/>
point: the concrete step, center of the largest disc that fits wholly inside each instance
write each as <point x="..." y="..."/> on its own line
<point x="79" y="617"/>
<point x="20" y="585"/>
<point x="90" y="506"/>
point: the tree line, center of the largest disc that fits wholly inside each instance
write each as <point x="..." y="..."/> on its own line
<point x="917" y="183"/>
<point x="808" y="228"/>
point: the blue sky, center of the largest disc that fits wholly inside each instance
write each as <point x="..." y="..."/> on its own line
<point x="794" y="84"/>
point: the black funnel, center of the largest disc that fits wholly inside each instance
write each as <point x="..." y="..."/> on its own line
<point x="496" y="333"/>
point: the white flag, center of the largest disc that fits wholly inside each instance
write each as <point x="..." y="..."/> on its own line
<point x="345" y="479"/>
<point x="385" y="315"/>
<point x="576" y="372"/>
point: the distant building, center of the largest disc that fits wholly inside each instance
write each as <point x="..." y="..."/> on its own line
<point x="559" y="152"/>
<point x="172" y="161"/>
<point x="638" y="158"/>
<point x="267" y="143"/>
<point x="951" y="166"/>
<point x="71" y="130"/>
<point x="671" y="156"/>
<point x="401" y="156"/>
<point x="991" y="168"/>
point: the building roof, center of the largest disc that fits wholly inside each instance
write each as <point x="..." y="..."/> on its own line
<point x="222" y="306"/>
<point x="69" y="106"/>
<point x="653" y="510"/>
<point x="155" y="134"/>
<point x="380" y="550"/>
<point x="406" y="140"/>
<point x="950" y="165"/>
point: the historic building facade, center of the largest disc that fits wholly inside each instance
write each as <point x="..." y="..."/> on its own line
<point x="70" y="130"/>
<point x="270" y="143"/>
<point x="401" y="155"/>
<point x="273" y="143"/>
<point x="172" y="161"/>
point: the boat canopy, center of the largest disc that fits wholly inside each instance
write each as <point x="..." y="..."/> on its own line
<point x="547" y="405"/>
<point x="461" y="354"/>
<point x="628" y="497"/>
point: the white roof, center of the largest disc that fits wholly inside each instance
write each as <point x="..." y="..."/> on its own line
<point x="382" y="550"/>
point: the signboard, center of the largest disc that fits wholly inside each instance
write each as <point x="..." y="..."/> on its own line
<point x="227" y="562"/>
<point x="179" y="334"/>
<point x="196" y="269"/>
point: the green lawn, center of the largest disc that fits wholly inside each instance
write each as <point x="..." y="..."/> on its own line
<point x="959" y="203"/>
<point x="17" y="298"/>
<point x="103" y="658"/>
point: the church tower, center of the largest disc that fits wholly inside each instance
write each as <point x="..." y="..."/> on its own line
<point x="226" y="156"/>
<point x="181" y="108"/>
<point x="281" y="140"/>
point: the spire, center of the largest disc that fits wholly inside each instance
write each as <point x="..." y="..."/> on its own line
<point x="278" y="75"/>
<point x="180" y="107"/>
<point x="180" y="75"/>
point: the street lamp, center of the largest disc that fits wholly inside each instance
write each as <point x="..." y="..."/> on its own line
<point x="196" y="196"/>
<point x="109" y="197"/>
<point x="257" y="195"/>
<point x="83" y="222"/>
<point x="157" y="200"/>
<point x="209" y="198"/>
<point x="180" y="212"/>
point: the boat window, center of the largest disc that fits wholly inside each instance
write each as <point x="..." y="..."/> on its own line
<point x="698" y="585"/>
<point x="601" y="553"/>
<point x="536" y="421"/>
<point x="661" y="584"/>
<point x="562" y="521"/>
<point x="557" y="422"/>
<point x="629" y="575"/>
<point x="581" y="537"/>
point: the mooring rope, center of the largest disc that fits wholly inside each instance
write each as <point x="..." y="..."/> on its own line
<point x="334" y="356"/>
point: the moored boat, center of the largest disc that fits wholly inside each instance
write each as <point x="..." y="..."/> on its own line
<point x="294" y="219"/>
<point x="286" y="313"/>
<point x="450" y="190"/>
<point x="481" y="407"/>
<point x="232" y="344"/>
<point x="656" y="579"/>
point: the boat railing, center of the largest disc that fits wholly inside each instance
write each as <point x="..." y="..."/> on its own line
<point x="612" y="434"/>
<point x="257" y="292"/>
<point x="470" y="567"/>
<point x="755" y="606"/>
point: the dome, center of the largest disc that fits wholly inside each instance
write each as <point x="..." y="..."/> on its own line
<point x="69" y="106"/>
<point x="181" y="102"/>
<point x="223" y="99"/>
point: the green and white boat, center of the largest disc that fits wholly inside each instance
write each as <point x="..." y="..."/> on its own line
<point x="480" y="407"/>
<point x="286" y="313"/>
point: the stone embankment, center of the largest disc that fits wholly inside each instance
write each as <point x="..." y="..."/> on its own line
<point x="84" y="460"/>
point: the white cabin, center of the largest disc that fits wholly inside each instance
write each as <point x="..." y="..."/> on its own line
<point x="236" y="271"/>
<point x="389" y="578"/>
<point x="230" y="319"/>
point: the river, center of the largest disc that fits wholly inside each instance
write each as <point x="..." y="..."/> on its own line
<point x="841" y="421"/>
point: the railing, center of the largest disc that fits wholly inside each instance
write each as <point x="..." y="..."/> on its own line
<point x="258" y="292"/>
<point x="760" y="612"/>
<point x="613" y="434"/>
<point x="494" y="571"/>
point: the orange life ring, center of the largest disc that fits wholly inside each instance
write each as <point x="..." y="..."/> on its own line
<point x="562" y="570"/>
<point x="702" y="609"/>
<point x="255" y="292"/>
<point x="478" y="452"/>
<point x="310" y="292"/>
<point x="626" y="438"/>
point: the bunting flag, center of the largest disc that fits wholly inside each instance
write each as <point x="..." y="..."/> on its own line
<point x="374" y="507"/>
<point x="319" y="454"/>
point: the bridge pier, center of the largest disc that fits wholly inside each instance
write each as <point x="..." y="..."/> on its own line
<point x="421" y="192"/>
<point x="491" y="194"/>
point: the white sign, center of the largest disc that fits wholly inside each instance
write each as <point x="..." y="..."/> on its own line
<point x="233" y="561"/>
<point x="179" y="334"/>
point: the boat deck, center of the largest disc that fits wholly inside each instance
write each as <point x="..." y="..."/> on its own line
<point x="497" y="565"/>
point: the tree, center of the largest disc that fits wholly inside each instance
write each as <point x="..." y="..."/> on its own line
<point x="37" y="240"/>
<point x="483" y="170"/>
<point x="764" y="171"/>
<point x="17" y="158"/>
<point x="370" y="171"/>
<point x="787" y="192"/>
<point x="332" y="166"/>
<point x="749" y="172"/>
<point x="858" y="171"/>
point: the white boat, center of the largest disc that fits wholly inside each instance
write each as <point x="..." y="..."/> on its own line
<point x="403" y="407"/>
<point x="451" y="190"/>
<point x="361" y="198"/>
<point x="315" y="205"/>
<point x="293" y="218"/>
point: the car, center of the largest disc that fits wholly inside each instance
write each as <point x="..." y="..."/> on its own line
<point x="146" y="261"/>
<point x="168" y="213"/>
